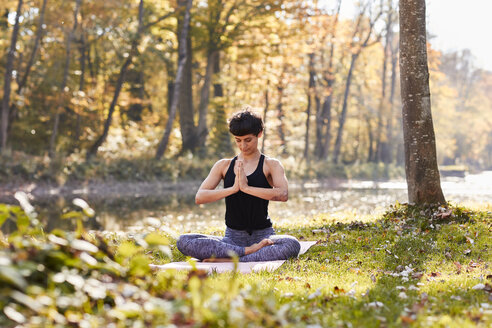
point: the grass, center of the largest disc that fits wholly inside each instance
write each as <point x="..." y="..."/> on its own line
<point x="413" y="266"/>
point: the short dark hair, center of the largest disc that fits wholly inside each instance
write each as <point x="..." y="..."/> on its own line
<point x="245" y="122"/>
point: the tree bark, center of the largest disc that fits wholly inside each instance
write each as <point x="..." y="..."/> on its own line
<point x="179" y="80"/>
<point x="420" y="147"/>
<point x="62" y="91"/>
<point x="8" y="81"/>
<point x="186" y="107"/>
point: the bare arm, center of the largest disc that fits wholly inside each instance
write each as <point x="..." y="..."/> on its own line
<point x="207" y="192"/>
<point x="280" y="190"/>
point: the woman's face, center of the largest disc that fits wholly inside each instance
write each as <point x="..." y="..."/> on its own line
<point x="247" y="144"/>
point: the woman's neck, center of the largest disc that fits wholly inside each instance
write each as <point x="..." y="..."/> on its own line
<point x="250" y="157"/>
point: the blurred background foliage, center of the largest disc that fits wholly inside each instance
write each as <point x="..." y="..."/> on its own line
<point x="326" y="84"/>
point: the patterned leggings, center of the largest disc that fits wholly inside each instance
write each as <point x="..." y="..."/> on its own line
<point x="205" y="246"/>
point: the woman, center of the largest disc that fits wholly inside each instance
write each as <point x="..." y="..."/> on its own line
<point x="251" y="180"/>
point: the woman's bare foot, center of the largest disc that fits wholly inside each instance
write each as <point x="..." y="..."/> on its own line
<point x="256" y="247"/>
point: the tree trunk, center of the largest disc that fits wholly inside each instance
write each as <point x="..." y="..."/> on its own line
<point x="391" y="105"/>
<point x="343" y="114"/>
<point x="281" y="115"/>
<point x="381" y="143"/>
<point x="323" y="120"/>
<point x="222" y="141"/>
<point x="82" y="61"/>
<point x="185" y="106"/>
<point x="310" y="93"/>
<point x="119" y="84"/>
<point x="265" y="110"/>
<point x="306" y="135"/>
<point x="204" y="102"/>
<point x="8" y="81"/>
<point x="39" y="35"/>
<point x="420" y="147"/>
<point x="61" y="100"/>
<point x="179" y="80"/>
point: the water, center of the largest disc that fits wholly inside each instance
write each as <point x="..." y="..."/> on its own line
<point x="176" y="210"/>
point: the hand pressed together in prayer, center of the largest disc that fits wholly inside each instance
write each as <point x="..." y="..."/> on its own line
<point x="241" y="181"/>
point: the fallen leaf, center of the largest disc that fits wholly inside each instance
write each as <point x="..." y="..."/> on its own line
<point x="445" y="214"/>
<point x="435" y="274"/>
<point x="338" y="290"/>
<point x="406" y="319"/>
<point x="458" y="267"/>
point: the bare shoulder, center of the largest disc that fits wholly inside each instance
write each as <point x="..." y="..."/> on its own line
<point x="222" y="165"/>
<point x="273" y="164"/>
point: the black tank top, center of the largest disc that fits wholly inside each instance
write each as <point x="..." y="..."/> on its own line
<point x="244" y="211"/>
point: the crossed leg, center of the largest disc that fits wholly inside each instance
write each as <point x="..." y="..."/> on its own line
<point x="214" y="248"/>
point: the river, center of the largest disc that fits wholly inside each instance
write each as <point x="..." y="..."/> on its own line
<point x="174" y="209"/>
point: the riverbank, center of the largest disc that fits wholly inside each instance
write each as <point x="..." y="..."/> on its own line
<point x="109" y="189"/>
<point x="418" y="267"/>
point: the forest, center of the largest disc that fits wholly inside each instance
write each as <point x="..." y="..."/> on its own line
<point x="93" y="82"/>
<point x="104" y="103"/>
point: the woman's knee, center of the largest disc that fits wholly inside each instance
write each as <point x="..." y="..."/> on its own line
<point x="290" y="245"/>
<point x="294" y="246"/>
<point x="182" y="242"/>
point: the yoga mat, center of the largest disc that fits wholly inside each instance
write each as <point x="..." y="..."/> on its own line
<point x="243" y="267"/>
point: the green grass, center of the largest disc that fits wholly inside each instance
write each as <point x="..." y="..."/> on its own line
<point x="413" y="266"/>
<point x="420" y="266"/>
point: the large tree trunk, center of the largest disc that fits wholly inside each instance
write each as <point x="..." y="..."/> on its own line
<point x="420" y="147"/>
<point x="179" y="80"/>
<point x="8" y="81"/>
<point x="61" y="100"/>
